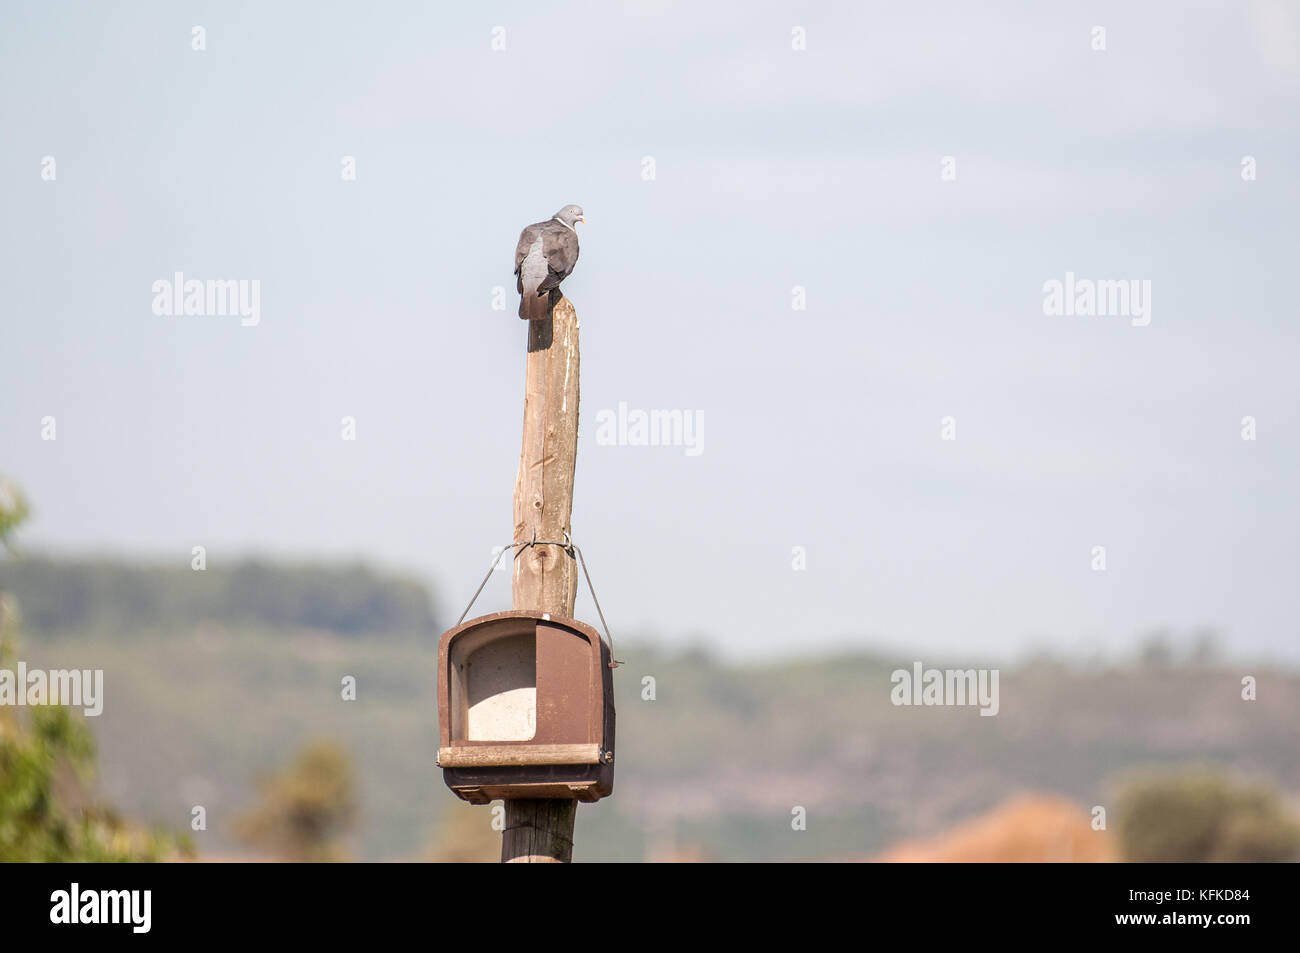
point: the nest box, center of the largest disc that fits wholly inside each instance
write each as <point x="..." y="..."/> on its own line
<point x="525" y="709"/>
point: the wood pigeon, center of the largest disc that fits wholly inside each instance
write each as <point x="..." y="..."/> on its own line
<point x="545" y="256"/>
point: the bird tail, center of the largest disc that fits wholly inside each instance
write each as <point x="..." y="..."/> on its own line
<point x="534" y="305"/>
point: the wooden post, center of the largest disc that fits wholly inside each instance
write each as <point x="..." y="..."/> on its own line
<point x="546" y="577"/>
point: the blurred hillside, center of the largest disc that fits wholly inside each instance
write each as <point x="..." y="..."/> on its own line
<point x="214" y="679"/>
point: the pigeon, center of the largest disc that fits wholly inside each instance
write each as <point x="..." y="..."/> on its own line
<point x="545" y="256"/>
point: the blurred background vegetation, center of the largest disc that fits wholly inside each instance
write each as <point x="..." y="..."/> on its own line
<point x="1202" y="817"/>
<point x="48" y="809"/>
<point x="224" y="690"/>
<point x="306" y="811"/>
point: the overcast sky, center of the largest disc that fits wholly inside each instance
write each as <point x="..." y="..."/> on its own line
<point x="773" y="167"/>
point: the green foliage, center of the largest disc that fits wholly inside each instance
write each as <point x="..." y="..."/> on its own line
<point x="109" y="596"/>
<point x="1202" y="816"/>
<point x="45" y="759"/>
<point x="13" y="511"/>
<point x="307" y="809"/>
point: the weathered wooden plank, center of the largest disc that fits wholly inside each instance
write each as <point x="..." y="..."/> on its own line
<point x="487" y="756"/>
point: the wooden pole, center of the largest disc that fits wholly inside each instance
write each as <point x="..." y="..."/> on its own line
<point x="546" y="577"/>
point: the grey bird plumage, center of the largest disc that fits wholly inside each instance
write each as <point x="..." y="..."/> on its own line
<point x="545" y="256"/>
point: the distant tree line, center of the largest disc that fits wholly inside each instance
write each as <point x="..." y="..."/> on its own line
<point x="101" y="594"/>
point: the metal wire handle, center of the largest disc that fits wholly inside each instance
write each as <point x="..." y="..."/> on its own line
<point x="569" y="547"/>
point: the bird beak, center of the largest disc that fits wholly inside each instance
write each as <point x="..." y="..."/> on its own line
<point x="583" y="221"/>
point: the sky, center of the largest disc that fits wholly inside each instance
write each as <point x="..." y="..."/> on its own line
<point x="918" y="172"/>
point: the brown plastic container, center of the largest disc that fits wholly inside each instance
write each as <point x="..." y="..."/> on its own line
<point x="525" y="709"/>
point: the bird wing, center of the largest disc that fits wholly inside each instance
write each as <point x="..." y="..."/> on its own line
<point x="526" y="239"/>
<point x="560" y="246"/>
